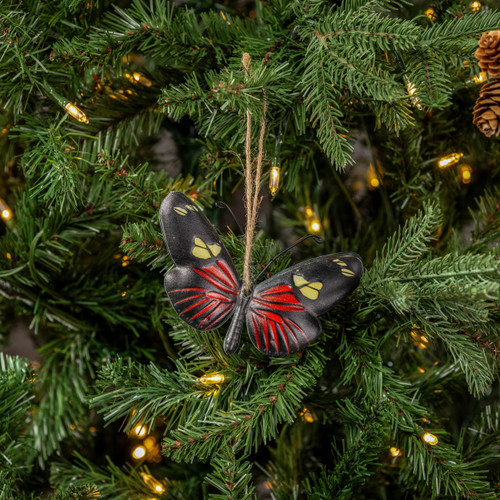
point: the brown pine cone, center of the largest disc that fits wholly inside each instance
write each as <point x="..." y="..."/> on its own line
<point x="488" y="53"/>
<point x="486" y="112"/>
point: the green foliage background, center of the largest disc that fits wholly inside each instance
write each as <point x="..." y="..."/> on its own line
<point x="413" y="350"/>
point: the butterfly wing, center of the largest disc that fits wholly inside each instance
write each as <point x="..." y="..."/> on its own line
<point x="282" y="314"/>
<point x="204" y="285"/>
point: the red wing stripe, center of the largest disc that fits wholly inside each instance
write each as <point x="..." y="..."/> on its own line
<point x="276" y="343"/>
<point x="218" y="296"/>
<point x="227" y="272"/>
<point x="276" y="289"/>
<point x="269" y="315"/>
<point x="217" y="274"/>
<point x="294" y="325"/>
<point x="205" y="309"/>
<point x="283" y="333"/>
<point x="194" y="305"/>
<point x="214" y="282"/>
<point x="292" y="334"/>
<point x="279" y="307"/>
<point x="266" y="334"/>
<point x="256" y="332"/>
<point x="190" y="298"/>
<point x="188" y="290"/>
<point x="281" y="297"/>
<point x="226" y="308"/>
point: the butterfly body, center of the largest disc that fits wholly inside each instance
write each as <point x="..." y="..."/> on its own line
<point x="280" y="313"/>
<point x="233" y="335"/>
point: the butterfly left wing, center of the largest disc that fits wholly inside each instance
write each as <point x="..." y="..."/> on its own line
<point x="282" y="314"/>
<point x="204" y="285"/>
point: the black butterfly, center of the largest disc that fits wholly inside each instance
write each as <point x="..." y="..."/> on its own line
<point x="281" y="312"/>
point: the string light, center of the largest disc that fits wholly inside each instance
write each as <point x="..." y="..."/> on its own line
<point x="481" y="78"/>
<point x="212" y="394"/>
<point x="314" y="226"/>
<point x="152" y="483"/>
<point x="430" y="14"/>
<point x="139" y="452"/>
<point x="76" y="112"/>
<point x="410" y="87"/>
<point x="138" y="78"/>
<point x="451" y="159"/>
<point x="372" y="178"/>
<point x="395" y="452"/>
<point x="125" y="261"/>
<point x="5" y="211"/>
<point x="306" y="416"/>
<point x="274" y="179"/>
<point x="466" y="173"/>
<point x="212" y="379"/>
<point x="140" y="430"/>
<point x="419" y="339"/>
<point x="475" y="6"/>
<point x="430" y="439"/>
<point x="69" y="107"/>
<point x="313" y="223"/>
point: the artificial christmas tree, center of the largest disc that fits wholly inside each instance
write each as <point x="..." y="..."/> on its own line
<point x="360" y="114"/>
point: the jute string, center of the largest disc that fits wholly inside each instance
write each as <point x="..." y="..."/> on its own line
<point x="252" y="183"/>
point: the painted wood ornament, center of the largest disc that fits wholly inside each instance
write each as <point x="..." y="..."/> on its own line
<point x="281" y="312"/>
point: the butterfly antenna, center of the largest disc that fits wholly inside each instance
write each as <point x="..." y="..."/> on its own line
<point x="316" y="238"/>
<point x="221" y="204"/>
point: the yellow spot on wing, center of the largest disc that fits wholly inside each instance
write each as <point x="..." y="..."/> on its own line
<point x="215" y="249"/>
<point x="309" y="292"/>
<point x="180" y="211"/>
<point x="192" y="207"/>
<point x="339" y="262"/>
<point x="347" y="272"/>
<point x="307" y="289"/>
<point x="203" y="251"/>
<point x="299" y="280"/>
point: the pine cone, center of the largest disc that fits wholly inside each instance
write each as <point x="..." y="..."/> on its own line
<point x="486" y="112"/>
<point x="488" y="53"/>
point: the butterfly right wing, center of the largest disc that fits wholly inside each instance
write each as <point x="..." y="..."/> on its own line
<point x="204" y="285"/>
<point x="282" y="314"/>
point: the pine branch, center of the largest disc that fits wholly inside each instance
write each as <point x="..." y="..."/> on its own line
<point x="63" y="377"/>
<point x="441" y="35"/>
<point x="231" y="476"/>
<point x="321" y="104"/>
<point x="110" y="481"/>
<point x="408" y="243"/>
<point x="427" y="74"/>
<point x="16" y="395"/>
<point x="360" y="452"/>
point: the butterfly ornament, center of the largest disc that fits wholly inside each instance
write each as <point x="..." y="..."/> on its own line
<point x="281" y="312"/>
